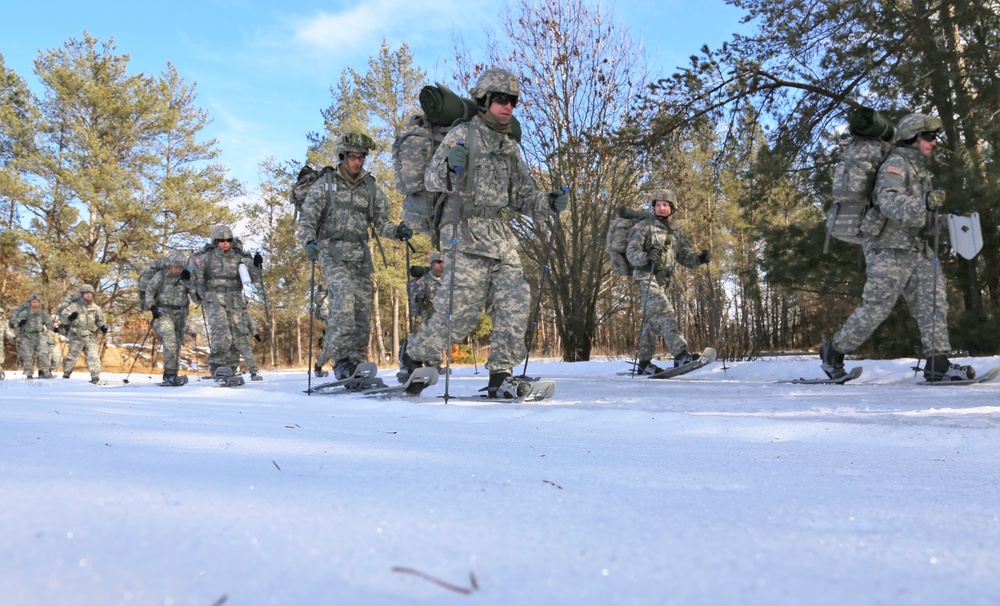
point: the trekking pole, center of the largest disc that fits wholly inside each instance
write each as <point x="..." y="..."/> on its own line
<point x="452" y="267"/>
<point x="267" y="307"/>
<point x="134" y="359"/>
<point x="936" y="266"/>
<point x="541" y="289"/>
<point x="642" y="320"/>
<point x="715" y="311"/>
<point x="152" y="357"/>
<point x="409" y="322"/>
<point x="312" y="304"/>
<point x="475" y="364"/>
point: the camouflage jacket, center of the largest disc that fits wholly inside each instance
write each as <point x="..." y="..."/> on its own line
<point x="337" y="214"/>
<point x="499" y="180"/>
<point x="421" y="293"/>
<point x="215" y="276"/>
<point x="900" y="195"/>
<point x="89" y="319"/>
<point x="6" y="332"/>
<point x="167" y="292"/>
<point x="36" y="322"/>
<point x="651" y="233"/>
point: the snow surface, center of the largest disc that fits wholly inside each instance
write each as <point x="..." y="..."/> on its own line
<point x="723" y="487"/>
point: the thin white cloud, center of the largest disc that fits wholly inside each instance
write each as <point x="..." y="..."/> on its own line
<point x="359" y="23"/>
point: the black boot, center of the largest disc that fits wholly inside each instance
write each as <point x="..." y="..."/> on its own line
<point x="344" y="369"/>
<point x="647" y="368"/>
<point x="685" y="358"/>
<point x="938" y="367"/>
<point x="833" y="360"/>
<point x="406" y="367"/>
<point x="502" y="385"/>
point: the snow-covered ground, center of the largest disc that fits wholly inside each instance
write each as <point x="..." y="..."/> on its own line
<point x="723" y="487"/>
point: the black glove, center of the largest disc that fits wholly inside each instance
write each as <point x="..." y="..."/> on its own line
<point x="458" y="157"/>
<point x="258" y="260"/>
<point x="257" y="338"/>
<point x="156" y="312"/>
<point x="22" y="323"/>
<point x="312" y="250"/>
<point x="403" y="232"/>
<point x="185" y="274"/>
<point x="559" y="199"/>
<point x="104" y="329"/>
<point x="704" y="257"/>
<point x="73" y="316"/>
<point x="655" y="255"/>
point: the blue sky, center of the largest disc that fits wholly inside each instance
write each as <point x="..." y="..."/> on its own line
<point x="264" y="69"/>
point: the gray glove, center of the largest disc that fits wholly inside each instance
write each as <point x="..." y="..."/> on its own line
<point x="559" y="199"/>
<point x="458" y="157"/>
<point x="312" y="250"/>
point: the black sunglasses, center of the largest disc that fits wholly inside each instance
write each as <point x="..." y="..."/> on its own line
<point x="504" y="99"/>
<point x="929" y="136"/>
<point x="230" y="240"/>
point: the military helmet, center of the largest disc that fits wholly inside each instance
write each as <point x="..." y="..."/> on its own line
<point x="353" y="141"/>
<point x="221" y="232"/>
<point x="86" y="288"/>
<point x="436" y="256"/>
<point x="664" y="194"/>
<point x="495" y="80"/>
<point x="913" y="124"/>
<point x="34" y="298"/>
<point x="177" y="259"/>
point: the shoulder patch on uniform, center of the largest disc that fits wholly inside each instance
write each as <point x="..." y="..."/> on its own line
<point x="892" y="168"/>
<point x="637" y="225"/>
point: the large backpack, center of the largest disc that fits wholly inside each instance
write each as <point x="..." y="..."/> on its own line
<point x="617" y="239"/>
<point x="297" y="197"/>
<point x="146" y="275"/>
<point x="854" y="175"/>
<point x="68" y="300"/>
<point x="413" y="148"/>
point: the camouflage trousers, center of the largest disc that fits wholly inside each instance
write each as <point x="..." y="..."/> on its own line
<point x="325" y="354"/>
<point x="892" y="273"/>
<point x="169" y="329"/>
<point x="55" y="355"/>
<point x="31" y="346"/>
<point x="480" y="283"/>
<point x="225" y="327"/>
<point x="349" y="302"/>
<point x="245" y="345"/>
<point x="87" y="346"/>
<point x="658" y="317"/>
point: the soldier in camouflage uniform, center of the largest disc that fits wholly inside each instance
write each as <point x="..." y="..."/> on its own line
<point x="246" y="347"/>
<point x="339" y="210"/>
<point x="215" y="278"/>
<point x="32" y="323"/>
<point x="480" y="168"/>
<point x="56" y="341"/>
<point x="899" y="258"/>
<point x="6" y="333"/>
<point x="168" y="298"/>
<point x="654" y="249"/>
<point x="84" y="318"/>
<point x="421" y="291"/>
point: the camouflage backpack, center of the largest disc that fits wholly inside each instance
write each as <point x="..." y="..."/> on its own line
<point x="617" y="239"/>
<point x="297" y="197"/>
<point x="413" y="148"/>
<point x="854" y="175"/>
<point x="146" y="275"/>
<point x="70" y="299"/>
